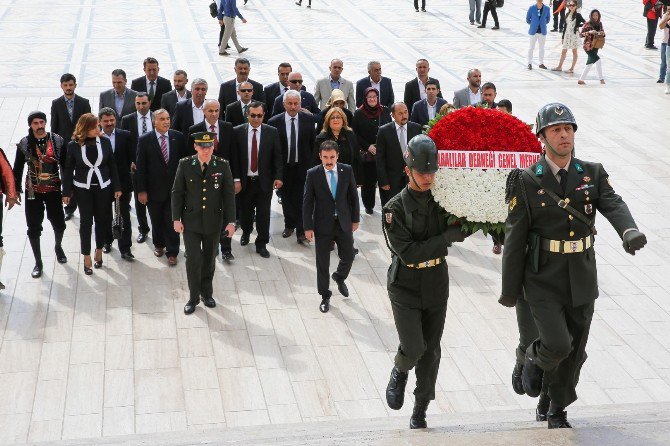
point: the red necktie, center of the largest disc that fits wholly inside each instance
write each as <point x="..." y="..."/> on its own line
<point x="216" y="137"/>
<point x="254" y="153"/>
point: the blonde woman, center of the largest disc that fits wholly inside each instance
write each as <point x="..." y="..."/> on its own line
<point x="336" y="128"/>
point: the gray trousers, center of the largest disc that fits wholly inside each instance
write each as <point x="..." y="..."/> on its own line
<point x="475" y="8"/>
<point x="229" y="33"/>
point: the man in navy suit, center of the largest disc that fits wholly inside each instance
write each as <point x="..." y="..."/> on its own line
<point x="228" y="92"/>
<point x="331" y="212"/>
<point x="426" y="109"/>
<point x="155" y="85"/>
<point x="191" y="111"/>
<point x="307" y="101"/>
<point x="415" y="90"/>
<point x="377" y="81"/>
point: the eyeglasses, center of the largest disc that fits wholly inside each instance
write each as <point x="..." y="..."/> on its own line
<point x="572" y="5"/>
<point x="246" y="90"/>
<point x="256" y="116"/>
<point x="296" y="81"/>
<point x="335" y="117"/>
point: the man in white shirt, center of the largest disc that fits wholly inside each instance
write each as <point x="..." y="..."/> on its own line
<point x="471" y="94"/>
<point x="426" y="109"/>
<point x="190" y="112"/>
<point x="180" y="93"/>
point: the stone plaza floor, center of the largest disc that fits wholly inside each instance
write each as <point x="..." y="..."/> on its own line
<point x="113" y="353"/>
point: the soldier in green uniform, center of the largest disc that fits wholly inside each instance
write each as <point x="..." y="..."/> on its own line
<point x="417" y="234"/>
<point x="203" y="200"/>
<point x="549" y="258"/>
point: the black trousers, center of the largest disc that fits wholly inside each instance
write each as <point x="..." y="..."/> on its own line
<point x="141" y="213"/>
<point x="254" y="199"/>
<point x="651" y="32"/>
<point x="559" y="25"/>
<point x="72" y="205"/>
<point x="52" y="202"/>
<point x="200" y="265"/>
<point x="345" y="250"/>
<point x="94" y="206"/>
<point x="416" y="4"/>
<point x="494" y="13"/>
<point x="125" y="242"/>
<point x="162" y="227"/>
<point x="292" y="194"/>
<point x="369" y="184"/>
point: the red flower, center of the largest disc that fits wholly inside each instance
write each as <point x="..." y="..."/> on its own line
<point x="480" y="129"/>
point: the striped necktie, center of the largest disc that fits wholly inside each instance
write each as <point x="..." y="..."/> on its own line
<point x="164" y="149"/>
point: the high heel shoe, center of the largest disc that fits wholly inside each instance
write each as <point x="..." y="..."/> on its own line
<point x="98" y="263"/>
<point x="87" y="269"/>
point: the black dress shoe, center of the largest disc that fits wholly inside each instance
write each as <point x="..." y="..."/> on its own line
<point x="263" y="251"/>
<point x="227" y="256"/>
<point x="542" y="407"/>
<point x="302" y="239"/>
<point x="341" y="286"/>
<point x="127" y="255"/>
<point x="325" y="305"/>
<point x="418" y="420"/>
<point x="558" y="420"/>
<point x="517" y="383"/>
<point x="244" y="240"/>
<point x="37" y="271"/>
<point x="60" y="255"/>
<point x="141" y="238"/>
<point x="531" y="378"/>
<point x="209" y="302"/>
<point x="287" y="232"/>
<point x="395" y="390"/>
<point x="107" y="248"/>
<point x="190" y="306"/>
<point x="68" y="216"/>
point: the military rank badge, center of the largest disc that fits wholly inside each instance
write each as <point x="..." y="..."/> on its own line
<point x="388" y="218"/>
<point x="586" y="179"/>
<point x="588" y="209"/>
<point x="216" y="185"/>
<point x="512" y="203"/>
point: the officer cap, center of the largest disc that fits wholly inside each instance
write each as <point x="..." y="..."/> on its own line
<point x="204" y="139"/>
<point x="552" y="114"/>
<point x="421" y="154"/>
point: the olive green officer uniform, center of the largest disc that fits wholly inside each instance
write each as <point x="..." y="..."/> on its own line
<point x="204" y="201"/>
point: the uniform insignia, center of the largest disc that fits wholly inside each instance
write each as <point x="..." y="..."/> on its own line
<point x="540" y="192"/>
<point x="216" y="185"/>
<point x="539" y="171"/>
<point x="512" y="203"/>
<point x="579" y="168"/>
<point x="388" y="217"/>
<point x="586" y="179"/>
<point x="194" y="162"/>
<point x="217" y="174"/>
<point x="588" y="209"/>
<point x="559" y="110"/>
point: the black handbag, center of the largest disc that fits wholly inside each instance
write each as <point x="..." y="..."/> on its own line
<point x="117" y="224"/>
<point x="500" y="3"/>
<point x="213" y="10"/>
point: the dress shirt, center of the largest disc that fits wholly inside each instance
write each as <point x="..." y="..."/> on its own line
<point x="119" y="100"/>
<point x="228" y="8"/>
<point x="149" y="85"/>
<point x="287" y="119"/>
<point x="555" y="168"/>
<point x="216" y="130"/>
<point x="150" y="126"/>
<point x="403" y="144"/>
<point x="69" y="106"/>
<point x="183" y="97"/>
<point x="432" y="109"/>
<point x="112" y="139"/>
<point x="167" y="143"/>
<point x="378" y="86"/>
<point x="335" y="84"/>
<point x="327" y="172"/>
<point x="242" y="105"/>
<point x="475" y="98"/>
<point x="198" y="112"/>
<point x="422" y="90"/>
<point x="250" y="135"/>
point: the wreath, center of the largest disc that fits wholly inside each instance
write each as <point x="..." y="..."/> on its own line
<point x="477" y="148"/>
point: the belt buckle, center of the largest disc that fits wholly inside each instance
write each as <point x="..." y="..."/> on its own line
<point x="426" y="264"/>
<point x="573" y="246"/>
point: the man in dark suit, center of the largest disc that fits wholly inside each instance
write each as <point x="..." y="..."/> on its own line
<point x="191" y="111"/>
<point x="415" y="90"/>
<point x="331" y="212"/>
<point x="138" y="124"/>
<point x="391" y="143"/>
<point x="257" y="156"/>
<point x="425" y="109"/>
<point x="222" y="148"/>
<point x="376" y="80"/>
<point x="228" y="93"/>
<point x="280" y="87"/>
<point x="307" y="101"/>
<point x="123" y="156"/>
<point x="297" y="134"/>
<point x="180" y="93"/>
<point x="152" y="83"/>
<point x="158" y="155"/>
<point x="236" y="113"/>
<point x="489" y="94"/>
<point x="119" y="97"/>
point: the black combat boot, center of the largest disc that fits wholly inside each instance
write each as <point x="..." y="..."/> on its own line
<point x="37" y="252"/>
<point x="517" y="383"/>
<point x="418" y="420"/>
<point x="542" y="407"/>
<point x="395" y="391"/>
<point x="60" y="254"/>
<point x="557" y="418"/>
<point x="532" y="378"/>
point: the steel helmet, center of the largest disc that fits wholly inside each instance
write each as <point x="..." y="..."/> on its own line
<point x="421" y="154"/>
<point x="552" y="114"/>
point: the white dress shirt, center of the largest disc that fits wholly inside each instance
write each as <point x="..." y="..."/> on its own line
<point x="183" y="97"/>
<point x="198" y="112"/>
<point x="112" y="139"/>
<point x="432" y="109"/>
<point x="287" y="120"/>
<point x="422" y="90"/>
<point x="140" y="118"/>
<point x="250" y="136"/>
<point x="378" y="86"/>
<point x="475" y="98"/>
<point x="167" y="143"/>
<point x="149" y="85"/>
<point x="403" y="142"/>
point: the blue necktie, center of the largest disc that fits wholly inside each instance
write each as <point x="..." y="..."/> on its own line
<point x="333" y="184"/>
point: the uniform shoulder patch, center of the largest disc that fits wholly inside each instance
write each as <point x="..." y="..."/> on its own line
<point x="512" y="203"/>
<point x="387" y="217"/>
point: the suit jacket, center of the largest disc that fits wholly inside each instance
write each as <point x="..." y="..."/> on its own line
<point x="323" y="90"/>
<point x="271" y="92"/>
<point x="270" y="166"/>
<point x="228" y="93"/>
<point x="225" y="138"/>
<point x="107" y="100"/>
<point x="169" y="100"/>
<point x="420" y="111"/>
<point x="462" y="98"/>
<point x="162" y="86"/>
<point x="124" y="154"/>
<point x="387" y="97"/>
<point x="182" y="120"/>
<point x="306" y="101"/>
<point x="76" y="170"/>
<point x="234" y="114"/>
<point x="61" y="123"/>
<point x="412" y="93"/>
<point x="153" y="175"/>
<point x="389" y="157"/>
<point x="319" y="206"/>
<point x="129" y="123"/>
<point x="304" y="140"/>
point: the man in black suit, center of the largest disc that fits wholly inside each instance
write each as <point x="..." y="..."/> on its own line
<point x="376" y="80"/>
<point x="280" y="87"/>
<point x="258" y="161"/>
<point x="489" y="94"/>
<point x="223" y="147"/>
<point x="138" y="124"/>
<point x="180" y="93"/>
<point x="331" y="212"/>
<point x="158" y="155"/>
<point x="191" y="111"/>
<point x="391" y="143"/>
<point x="297" y="134"/>
<point x="152" y="83"/>
<point x="425" y="109"/>
<point x="307" y="101"/>
<point x="415" y="90"/>
<point x="228" y="93"/>
<point x="236" y="113"/>
<point x="123" y="156"/>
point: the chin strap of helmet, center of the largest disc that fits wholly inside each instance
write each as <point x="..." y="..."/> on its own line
<point x="421" y="189"/>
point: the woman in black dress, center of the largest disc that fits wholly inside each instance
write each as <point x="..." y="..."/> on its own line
<point x="336" y="128"/>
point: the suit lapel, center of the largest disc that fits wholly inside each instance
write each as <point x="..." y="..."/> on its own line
<point x="340" y="181"/>
<point x="172" y="148"/>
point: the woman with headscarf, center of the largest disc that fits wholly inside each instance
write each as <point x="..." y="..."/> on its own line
<point x="367" y="119"/>
<point x="337" y="99"/>
<point x="592" y="29"/>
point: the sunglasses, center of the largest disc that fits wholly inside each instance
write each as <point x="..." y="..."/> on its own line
<point x="571" y="6"/>
<point x="296" y="81"/>
<point x="246" y="90"/>
<point x="256" y="116"/>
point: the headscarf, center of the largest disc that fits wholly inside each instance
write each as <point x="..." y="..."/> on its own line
<point x="336" y="95"/>
<point x="371" y="112"/>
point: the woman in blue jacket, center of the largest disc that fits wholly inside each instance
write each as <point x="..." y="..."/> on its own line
<point x="537" y="17"/>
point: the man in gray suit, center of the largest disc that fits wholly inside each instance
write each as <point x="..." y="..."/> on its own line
<point x="180" y="93"/>
<point x="119" y="98"/>
<point x="324" y="87"/>
<point x="470" y="95"/>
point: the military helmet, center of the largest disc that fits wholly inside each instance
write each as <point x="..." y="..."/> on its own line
<point x="421" y="154"/>
<point x="552" y="114"/>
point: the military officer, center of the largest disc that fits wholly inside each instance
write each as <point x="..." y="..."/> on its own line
<point x="417" y="233"/>
<point x="203" y="200"/>
<point x="549" y="258"/>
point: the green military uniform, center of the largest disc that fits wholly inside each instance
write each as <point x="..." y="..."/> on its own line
<point x="204" y="201"/>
